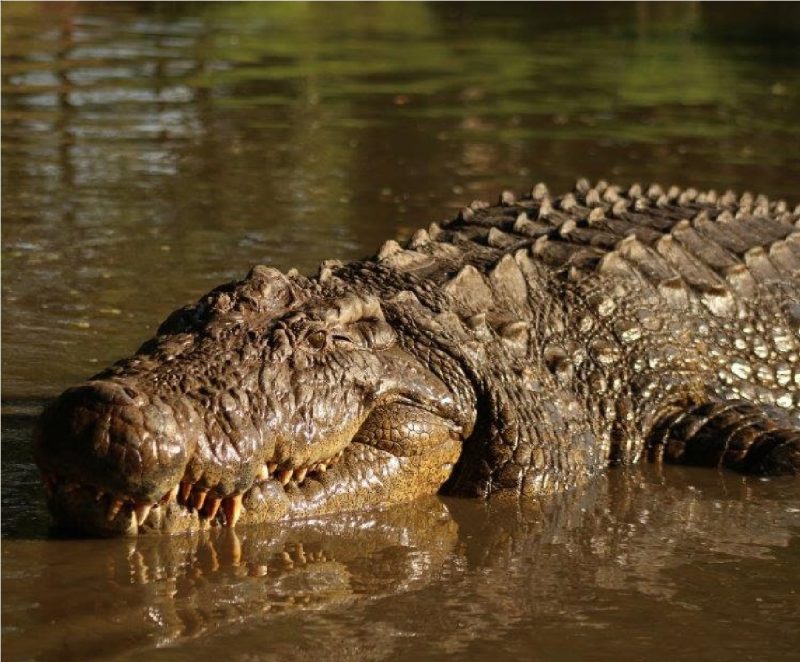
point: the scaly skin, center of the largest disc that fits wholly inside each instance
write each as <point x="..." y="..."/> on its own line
<point x="522" y="346"/>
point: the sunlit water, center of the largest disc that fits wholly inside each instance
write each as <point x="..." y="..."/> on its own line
<point x="151" y="152"/>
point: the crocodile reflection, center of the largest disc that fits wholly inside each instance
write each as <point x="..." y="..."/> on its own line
<point x="318" y="563"/>
<point x="493" y="564"/>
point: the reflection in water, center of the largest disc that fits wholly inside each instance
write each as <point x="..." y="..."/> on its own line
<point x="162" y="589"/>
<point x="459" y="574"/>
<point x="151" y="152"/>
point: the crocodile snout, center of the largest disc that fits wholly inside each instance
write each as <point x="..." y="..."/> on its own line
<point x="107" y="437"/>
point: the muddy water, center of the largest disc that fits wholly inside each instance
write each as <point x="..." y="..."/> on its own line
<point x="151" y="152"/>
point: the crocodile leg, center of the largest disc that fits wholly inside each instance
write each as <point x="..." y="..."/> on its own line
<point x="735" y="434"/>
<point x="405" y="430"/>
<point x="401" y="452"/>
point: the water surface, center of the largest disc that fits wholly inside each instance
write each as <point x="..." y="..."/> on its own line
<point x="150" y="152"/>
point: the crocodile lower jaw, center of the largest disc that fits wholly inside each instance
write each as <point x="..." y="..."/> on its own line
<point x="184" y="506"/>
<point x="359" y="476"/>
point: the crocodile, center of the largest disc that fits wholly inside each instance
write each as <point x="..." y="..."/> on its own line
<point x="521" y="346"/>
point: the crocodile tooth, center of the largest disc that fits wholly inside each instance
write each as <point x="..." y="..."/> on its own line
<point x="114" y="508"/>
<point x="321" y="467"/>
<point x="232" y="507"/>
<point x="212" y="506"/>
<point x="300" y="474"/>
<point x="199" y="498"/>
<point x="100" y="494"/>
<point x="142" y="510"/>
<point x="172" y="494"/>
<point x="184" y="492"/>
<point x="263" y="473"/>
<point x="271" y="466"/>
<point x="285" y="476"/>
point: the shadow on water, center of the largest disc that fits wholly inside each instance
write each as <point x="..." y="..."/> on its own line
<point x="151" y="151"/>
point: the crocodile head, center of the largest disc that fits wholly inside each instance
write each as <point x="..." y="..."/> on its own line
<point x="270" y="398"/>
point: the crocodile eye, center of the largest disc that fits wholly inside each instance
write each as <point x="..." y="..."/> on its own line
<point x="317" y="339"/>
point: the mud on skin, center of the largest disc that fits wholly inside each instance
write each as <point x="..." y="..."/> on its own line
<point x="521" y="346"/>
